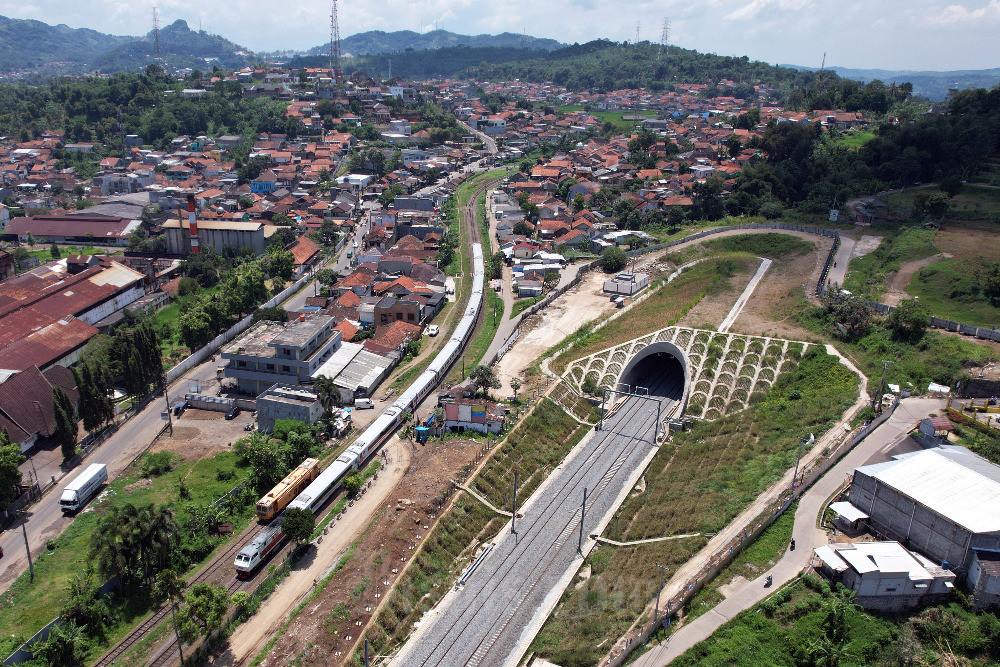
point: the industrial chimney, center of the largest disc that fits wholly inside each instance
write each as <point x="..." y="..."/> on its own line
<point x="192" y="224"/>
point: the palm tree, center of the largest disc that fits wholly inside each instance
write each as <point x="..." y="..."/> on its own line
<point x="160" y="535"/>
<point x="327" y="391"/>
<point x="168" y="587"/>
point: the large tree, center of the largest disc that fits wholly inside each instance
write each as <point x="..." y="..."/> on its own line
<point x="10" y="474"/>
<point x="484" y="378"/>
<point x="908" y="321"/>
<point x="135" y="543"/>
<point x="205" y="609"/>
<point x="613" y="259"/>
<point x="298" y="524"/>
<point x="65" y="431"/>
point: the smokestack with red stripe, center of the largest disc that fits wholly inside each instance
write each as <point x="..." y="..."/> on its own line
<point x="192" y="224"/>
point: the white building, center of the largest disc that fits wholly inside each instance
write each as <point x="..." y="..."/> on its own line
<point x="885" y="575"/>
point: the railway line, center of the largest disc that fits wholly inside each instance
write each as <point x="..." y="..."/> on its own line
<point x="210" y="573"/>
<point x="317" y="494"/>
<point x="486" y="619"/>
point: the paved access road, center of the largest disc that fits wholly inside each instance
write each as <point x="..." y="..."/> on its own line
<point x="486" y="622"/>
<point x="807" y="536"/>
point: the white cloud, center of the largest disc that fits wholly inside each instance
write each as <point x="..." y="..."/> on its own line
<point x="960" y="14"/>
<point x="754" y="8"/>
<point x="910" y="34"/>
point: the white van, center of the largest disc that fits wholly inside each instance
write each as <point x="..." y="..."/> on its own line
<point x="363" y="403"/>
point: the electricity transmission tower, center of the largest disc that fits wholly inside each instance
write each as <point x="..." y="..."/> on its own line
<point x="335" y="66"/>
<point x="665" y="35"/>
<point x="156" y="36"/>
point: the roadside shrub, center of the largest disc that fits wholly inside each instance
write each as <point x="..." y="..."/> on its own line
<point x="157" y="463"/>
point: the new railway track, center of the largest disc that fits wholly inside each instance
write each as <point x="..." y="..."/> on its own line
<point x="558" y="515"/>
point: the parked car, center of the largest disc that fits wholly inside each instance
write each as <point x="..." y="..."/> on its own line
<point x="364" y="403"/>
<point x="433" y="330"/>
<point x="233" y="411"/>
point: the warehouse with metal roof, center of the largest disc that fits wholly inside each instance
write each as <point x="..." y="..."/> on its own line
<point x="943" y="502"/>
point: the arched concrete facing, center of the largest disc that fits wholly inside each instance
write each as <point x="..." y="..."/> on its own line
<point x="647" y="355"/>
<point x="715" y="386"/>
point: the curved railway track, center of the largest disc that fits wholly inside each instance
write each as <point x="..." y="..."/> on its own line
<point x="166" y="653"/>
<point x="557" y="515"/>
<point x="209" y="573"/>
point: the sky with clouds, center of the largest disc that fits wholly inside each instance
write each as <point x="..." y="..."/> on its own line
<point x="886" y="34"/>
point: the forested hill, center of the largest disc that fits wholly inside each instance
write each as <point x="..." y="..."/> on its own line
<point x="180" y="46"/>
<point x="447" y="62"/>
<point x="931" y="84"/>
<point x="32" y="45"/>
<point x="602" y="65"/>
<point x="375" y="42"/>
<point x="39" y="49"/>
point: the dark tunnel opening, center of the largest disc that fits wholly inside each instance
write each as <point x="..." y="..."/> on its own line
<point x="660" y="373"/>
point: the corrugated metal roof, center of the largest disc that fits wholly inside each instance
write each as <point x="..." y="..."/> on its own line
<point x="956" y="491"/>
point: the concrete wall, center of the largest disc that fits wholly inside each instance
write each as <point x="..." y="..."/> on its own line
<point x="897" y="516"/>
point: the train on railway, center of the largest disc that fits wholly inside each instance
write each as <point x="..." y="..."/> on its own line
<point x="252" y="555"/>
<point x="285" y="491"/>
<point x="320" y="490"/>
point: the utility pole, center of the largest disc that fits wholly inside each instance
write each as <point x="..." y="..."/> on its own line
<point x="513" y="506"/>
<point x="583" y="515"/>
<point x="170" y="420"/>
<point x="802" y="441"/>
<point x="27" y="550"/>
<point x="877" y="401"/>
<point x="656" y="611"/>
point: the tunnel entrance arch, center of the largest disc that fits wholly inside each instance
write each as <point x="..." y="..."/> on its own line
<point x="661" y="369"/>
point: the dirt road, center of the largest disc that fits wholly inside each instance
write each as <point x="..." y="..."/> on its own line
<point x="896" y="283"/>
<point x="250" y="637"/>
<point x="564" y="316"/>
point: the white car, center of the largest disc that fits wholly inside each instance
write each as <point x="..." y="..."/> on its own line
<point x="433" y="330"/>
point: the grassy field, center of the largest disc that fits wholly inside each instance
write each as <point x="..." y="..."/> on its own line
<point x="623" y="580"/>
<point x="866" y="275"/>
<point x="794" y="626"/>
<point x="614" y="117"/>
<point x="768" y="244"/>
<point x="660" y="310"/>
<point x="936" y="357"/>
<point x="533" y="449"/>
<point x="952" y="289"/>
<point x="697" y="483"/>
<point x="29" y="606"/>
<point x="854" y="140"/>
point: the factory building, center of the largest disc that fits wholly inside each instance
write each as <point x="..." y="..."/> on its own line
<point x="942" y="502"/>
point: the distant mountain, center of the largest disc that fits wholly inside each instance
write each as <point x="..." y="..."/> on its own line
<point x="377" y="42"/>
<point x="180" y="47"/>
<point x="34" y="48"/>
<point x="930" y="84"/>
<point x="28" y="45"/>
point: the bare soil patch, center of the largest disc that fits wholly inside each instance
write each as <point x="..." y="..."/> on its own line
<point x="198" y="435"/>
<point x="970" y="242"/>
<point x="713" y="308"/>
<point x="564" y="316"/>
<point x="779" y="297"/>
<point x="866" y="244"/>
<point x="328" y="626"/>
